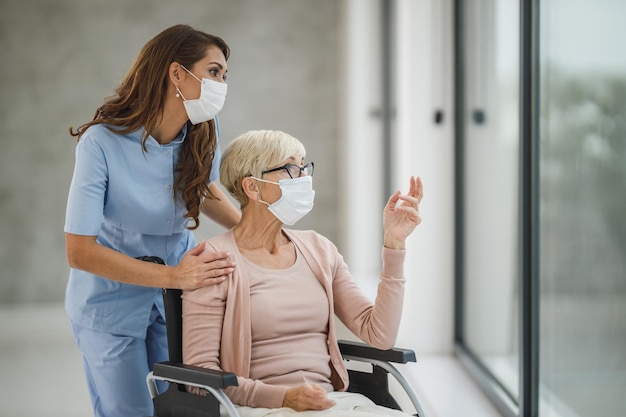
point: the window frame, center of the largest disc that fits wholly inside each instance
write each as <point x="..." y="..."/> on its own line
<point x="528" y="267"/>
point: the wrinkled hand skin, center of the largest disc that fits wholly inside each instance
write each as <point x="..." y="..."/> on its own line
<point x="401" y="215"/>
<point x="307" y="397"/>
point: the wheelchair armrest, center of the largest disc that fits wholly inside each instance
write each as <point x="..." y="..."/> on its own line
<point x="363" y="350"/>
<point x="195" y="374"/>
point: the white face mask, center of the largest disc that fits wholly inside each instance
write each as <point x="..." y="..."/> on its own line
<point x="210" y="102"/>
<point x="296" y="200"/>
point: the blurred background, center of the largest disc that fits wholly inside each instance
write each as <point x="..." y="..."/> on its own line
<point x="516" y="287"/>
<point x="317" y="69"/>
<point x="63" y="58"/>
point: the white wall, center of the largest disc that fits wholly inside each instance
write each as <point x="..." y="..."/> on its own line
<point x="362" y="148"/>
<point x="423" y="79"/>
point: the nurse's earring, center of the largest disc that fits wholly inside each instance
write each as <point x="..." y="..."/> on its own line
<point x="180" y="94"/>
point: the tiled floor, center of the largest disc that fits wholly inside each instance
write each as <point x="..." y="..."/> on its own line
<point x="41" y="372"/>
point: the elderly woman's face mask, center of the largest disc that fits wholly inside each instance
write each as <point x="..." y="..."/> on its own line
<point x="296" y="200"/>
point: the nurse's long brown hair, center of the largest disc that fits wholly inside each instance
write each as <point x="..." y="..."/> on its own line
<point x="139" y="101"/>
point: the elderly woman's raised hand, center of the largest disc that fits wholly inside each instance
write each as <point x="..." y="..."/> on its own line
<point x="401" y="215"/>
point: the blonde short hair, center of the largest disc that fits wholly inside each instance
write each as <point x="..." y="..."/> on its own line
<point x="252" y="153"/>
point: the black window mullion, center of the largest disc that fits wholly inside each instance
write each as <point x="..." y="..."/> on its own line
<point x="529" y="208"/>
<point x="388" y="63"/>
<point x="459" y="126"/>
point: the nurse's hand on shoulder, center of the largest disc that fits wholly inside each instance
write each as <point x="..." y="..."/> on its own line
<point x="307" y="397"/>
<point x="200" y="269"/>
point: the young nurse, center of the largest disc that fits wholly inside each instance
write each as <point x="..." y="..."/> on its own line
<point x="146" y="166"/>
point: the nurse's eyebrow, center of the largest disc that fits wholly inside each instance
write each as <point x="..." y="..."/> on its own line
<point x="219" y="65"/>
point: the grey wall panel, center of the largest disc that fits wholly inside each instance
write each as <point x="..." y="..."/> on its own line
<point x="61" y="58"/>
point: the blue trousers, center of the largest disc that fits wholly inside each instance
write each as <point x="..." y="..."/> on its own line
<point x="116" y="367"/>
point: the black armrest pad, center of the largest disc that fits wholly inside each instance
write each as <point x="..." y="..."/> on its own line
<point x="195" y="374"/>
<point x="362" y="350"/>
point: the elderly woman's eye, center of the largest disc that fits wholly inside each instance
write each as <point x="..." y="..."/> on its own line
<point x="294" y="170"/>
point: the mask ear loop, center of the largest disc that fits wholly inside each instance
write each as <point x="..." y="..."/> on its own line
<point x="191" y="73"/>
<point x="178" y="92"/>
<point x="258" y="196"/>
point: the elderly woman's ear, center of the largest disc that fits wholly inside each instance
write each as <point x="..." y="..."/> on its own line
<point x="250" y="187"/>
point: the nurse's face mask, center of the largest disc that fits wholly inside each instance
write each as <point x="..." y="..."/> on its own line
<point x="210" y="102"/>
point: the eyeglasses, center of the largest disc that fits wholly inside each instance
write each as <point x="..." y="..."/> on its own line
<point x="294" y="171"/>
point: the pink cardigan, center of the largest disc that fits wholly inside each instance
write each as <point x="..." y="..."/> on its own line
<point x="216" y="319"/>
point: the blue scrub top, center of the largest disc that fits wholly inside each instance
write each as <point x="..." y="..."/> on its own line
<point x="124" y="196"/>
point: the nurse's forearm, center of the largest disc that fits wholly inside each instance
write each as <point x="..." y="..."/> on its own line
<point x="198" y="268"/>
<point x="85" y="253"/>
<point x="221" y="211"/>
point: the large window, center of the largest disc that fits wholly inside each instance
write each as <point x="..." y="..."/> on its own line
<point x="542" y="193"/>
<point x="582" y="206"/>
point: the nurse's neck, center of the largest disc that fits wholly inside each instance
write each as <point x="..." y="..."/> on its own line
<point x="166" y="132"/>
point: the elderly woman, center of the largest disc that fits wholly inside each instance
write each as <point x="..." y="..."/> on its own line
<point x="271" y="322"/>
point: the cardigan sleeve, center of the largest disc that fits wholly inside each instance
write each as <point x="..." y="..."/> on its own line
<point x="375" y="323"/>
<point x="203" y="315"/>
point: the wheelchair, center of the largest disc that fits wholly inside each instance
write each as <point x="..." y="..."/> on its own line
<point x="175" y="401"/>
